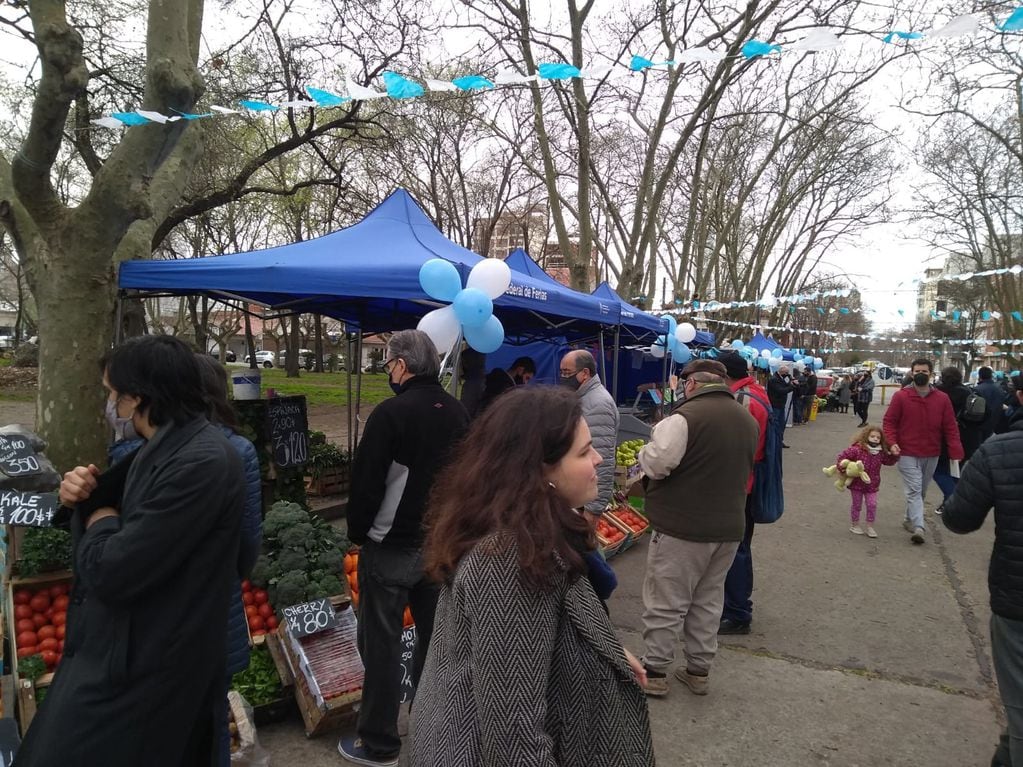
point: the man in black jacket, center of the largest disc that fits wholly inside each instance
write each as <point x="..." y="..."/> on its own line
<point x="779" y="387"/>
<point x="499" y="381"/>
<point x="994" y="478"/>
<point x="407" y="441"/>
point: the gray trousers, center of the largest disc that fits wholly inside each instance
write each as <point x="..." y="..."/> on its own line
<point x="684" y="592"/>
<point x="1007" y="649"/>
<point x="916" y="474"/>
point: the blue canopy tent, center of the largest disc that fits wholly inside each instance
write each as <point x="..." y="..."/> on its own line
<point x="366" y="275"/>
<point x="760" y="342"/>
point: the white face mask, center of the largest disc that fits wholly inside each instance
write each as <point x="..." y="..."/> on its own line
<point x="874" y="449"/>
<point x="123" y="428"/>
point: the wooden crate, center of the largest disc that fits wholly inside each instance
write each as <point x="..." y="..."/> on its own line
<point x="613" y="514"/>
<point x="45" y="579"/>
<point x="332" y="481"/>
<point x="612" y="549"/>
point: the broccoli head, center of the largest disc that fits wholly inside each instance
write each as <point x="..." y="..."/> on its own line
<point x="292" y="559"/>
<point x="331" y="561"/>
<point x="299" y="536"/>
<point x="290" y="589"/>
<point x="261" y="571"/>
<point x="327" y="586"/>
<point x="283" y="516"/>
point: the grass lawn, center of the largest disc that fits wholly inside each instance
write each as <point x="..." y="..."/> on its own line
<point x="325" y="388"/>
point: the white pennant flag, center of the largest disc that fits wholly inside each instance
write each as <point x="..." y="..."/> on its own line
<point x="816" y="40"/>
<point x="699" y="54"/>
<point x="153" y="117"/>
<point x="361" y="93"/>
<point x="440" y="85"/>
<point x="224" y="110"/>
<point x="107" y="122"/>
<point x="957" y="27"/>
<point x="298" y="104"/>
<point x="511" y="77"/>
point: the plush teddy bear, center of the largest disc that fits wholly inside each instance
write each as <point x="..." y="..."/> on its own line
<point x="846" y="471"/>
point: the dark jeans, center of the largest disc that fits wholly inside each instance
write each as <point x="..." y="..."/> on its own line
<point x="797" y="408"/>
<point x="739" y="581"/>
<point x="861" y="410"/>
<point x="389" y="579"/>
<point x="779" y="417"/>
<point x="945" y="482"/>
<point x="1007" y="652"/>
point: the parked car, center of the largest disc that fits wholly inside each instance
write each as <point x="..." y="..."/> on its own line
<point x="229" y="356"/>
<point x="265" y="358"/>
<point x="305" y="358"/>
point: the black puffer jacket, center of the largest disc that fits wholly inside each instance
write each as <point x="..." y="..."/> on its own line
<point x="994" y="478"/>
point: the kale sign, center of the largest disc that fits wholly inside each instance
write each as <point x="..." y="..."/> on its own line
<point x="27" y="509"/>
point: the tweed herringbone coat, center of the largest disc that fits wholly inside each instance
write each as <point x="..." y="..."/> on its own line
<point x="520" y="677"/>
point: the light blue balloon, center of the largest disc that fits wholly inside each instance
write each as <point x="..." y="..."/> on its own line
<point x="440" y="279"/>
<point x="672" y="324"/>
<point x="777" y="354"/>
<point x="748" y="353"/>
<point x="682" y="354"/>
<point x="737" y="344"/>
<point x="808" y="360"/>
<point x="486" y="338"/>
<point x="473" y="307"/>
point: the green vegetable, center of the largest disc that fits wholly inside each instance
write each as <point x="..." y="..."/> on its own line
<point x="325" y="587"/>
<point x="325" y="455"/>
<point x="297" y="536"/>
<point x="333" y="561"/>
<point x="44" y="549"/>
<point x="302" y="556"/>
<point x="293" y="559"/>
<point x="31" y="668"/>
<point x="259" y="684"/>
<point x="290" y="589"/>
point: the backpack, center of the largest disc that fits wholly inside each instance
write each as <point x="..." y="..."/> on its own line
<point x="767" y="502"/>
<point x="975" y="409"/>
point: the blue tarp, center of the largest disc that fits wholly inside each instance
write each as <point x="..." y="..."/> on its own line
<point x="366" y="275"/>
<point x="586" y="307"/>
<point x="760" y="342"/>
<point x="639" y="322"/>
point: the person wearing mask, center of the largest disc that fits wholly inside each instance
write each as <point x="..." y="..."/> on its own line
<point x="779" y="387"/>
<point x="525" y="666"/>
<point x="473" y="379"/>
<point x="798" y="383"/>
<point x="951" y="384"/>
<point x="809" y="393"/>
<point x="145" y="651"/>
<point x="219" y="412"/>
<point x="993" y="479"/>
<point x="995" y="399"/>
<point x="499" y="381"/>
<point x="918" y="425"/>
<point x="844" y="394"/>
<point x="406" y="445"/>
<point x="864" y="396"/>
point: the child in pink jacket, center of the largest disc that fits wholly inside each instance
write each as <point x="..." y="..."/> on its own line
<point x="870" y="447"/>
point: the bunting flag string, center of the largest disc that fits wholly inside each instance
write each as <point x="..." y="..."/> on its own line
<point x="873" y="336"/>
<point x="400" y="87"/>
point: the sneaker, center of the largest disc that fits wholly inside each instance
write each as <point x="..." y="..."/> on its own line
<point x="784" y="445"/>
<point x="728" y="626"/>
<point x="856" y="530"/>
<point x="908" y="526"/>
<point x="871" y="532"/>
<point x="352" y="750"/>
<point x="698" y="685"/>
<point x="861" y="424"/>
<point x="656" y="683"/>
<point x="918" y="536"/>
<point x="940" y="509"/>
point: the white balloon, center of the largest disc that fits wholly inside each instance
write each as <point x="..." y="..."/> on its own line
<point x="656" y="351"/>
<point x="774" y="362"/>
<point x="766" y="354"/>
<point x="800" y="366"/>
<point x="443" y="328"/>
<point x="818" y="363"/>
<point x="492" y="276"/>
<point x="685" y="333"/>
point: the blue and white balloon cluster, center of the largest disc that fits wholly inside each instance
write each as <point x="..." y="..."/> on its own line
<point x="771" y="359"/>
<point x="471" y="313"/>
<point x="674" y="341"/>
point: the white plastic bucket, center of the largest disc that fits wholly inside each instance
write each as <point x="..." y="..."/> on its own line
<point x="246" y="383"/>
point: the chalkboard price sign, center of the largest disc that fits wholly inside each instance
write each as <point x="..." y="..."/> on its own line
<point x="408" y="653"/>
<point x="17" y="456"/>
<point x="27" y="509"/>
<point x="288" y="430"/>
<point x="310" y="617"/>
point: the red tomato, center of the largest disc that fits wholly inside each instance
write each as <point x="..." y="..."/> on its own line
<point x="60" y="646"/>
<point x="26" y="639"/>
<point x="25" y="624"/>
<point x="50" y="658"/>
<point x="49" y="613"/>
<point x="251" y="611"/>
<point x="40" y="619"/>
<point x="265" y="611"/>
<point x="25" y="652"/>
<point x="59" y="619"/>
<point x="58" y="590"/>
<point x="246" y="585"/>
<point x="60" y="603"/>
<point x="60" y="633"/>
<point x="40" y="602"/>
<point x="23" y="611"/>
<point x="259" y="633"/>
<point x="248" y="598"/>
<point x="255" y="623"/>
<point x="260" y="596"/>
<point x="48" y="644"/>
<point x="22" y="597"/>
<point x="271" y="623"/>
<point x="46" y="632"/>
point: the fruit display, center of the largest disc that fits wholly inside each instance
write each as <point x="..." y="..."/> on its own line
<point x="607" y="533"/>
<point x="625" y="453"/>
<point x="352" y="574"/>
<point x="637" y="523"/>
<point x="38" y="622"/>
<point x="258" y="610"/>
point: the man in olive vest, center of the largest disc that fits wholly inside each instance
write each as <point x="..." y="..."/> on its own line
<point x="696" y="466"/>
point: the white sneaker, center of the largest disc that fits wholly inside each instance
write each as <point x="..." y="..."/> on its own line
<point x="871" y="532"/>
<point x="908" y="526"/>
<point x="919" y="536"/>
<point x="856" y="530"/>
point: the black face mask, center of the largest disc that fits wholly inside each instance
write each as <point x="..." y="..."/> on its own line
<point x="517" y="380"/>
<point x="571" y="381"/>
<point x="921" y="379"/>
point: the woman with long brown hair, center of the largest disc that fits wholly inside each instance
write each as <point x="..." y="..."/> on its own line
<point x="524" y="666"/>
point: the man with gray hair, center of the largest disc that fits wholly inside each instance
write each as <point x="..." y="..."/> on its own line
<point x="578" y="371"/>
<point x="696" y="466"/>
<point x="406" y="443"/>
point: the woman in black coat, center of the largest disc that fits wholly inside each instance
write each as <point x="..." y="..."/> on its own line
<point x="969" y="433"/>
<point x="144" y="656"/>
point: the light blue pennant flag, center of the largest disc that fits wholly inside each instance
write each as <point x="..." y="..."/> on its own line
<point x="844" y="310"/>
<point x="399" y="87"/>
<point x="130" y="118"/>
<point x="820" y="310"/>
<point x="696" y="304"/>
<point x="191" y="116"/>
<point x="258" y="106"/>
<point x="1017" y="316"/>
<point x="325" y="99"/>
<point x="557" y="71"/>
<point x="902" y="312"/>
<point x="1014" y="23"/>
<point x="472" y="83"/>
<point x="902" y="36"/>
<point x="985" y="316"/>
<point x="638" y="64"/>
<point x="754" y="48"/>
<point x="956" y="315"/>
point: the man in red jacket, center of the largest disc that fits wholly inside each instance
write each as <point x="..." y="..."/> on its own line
<point x="916" y="423"/>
